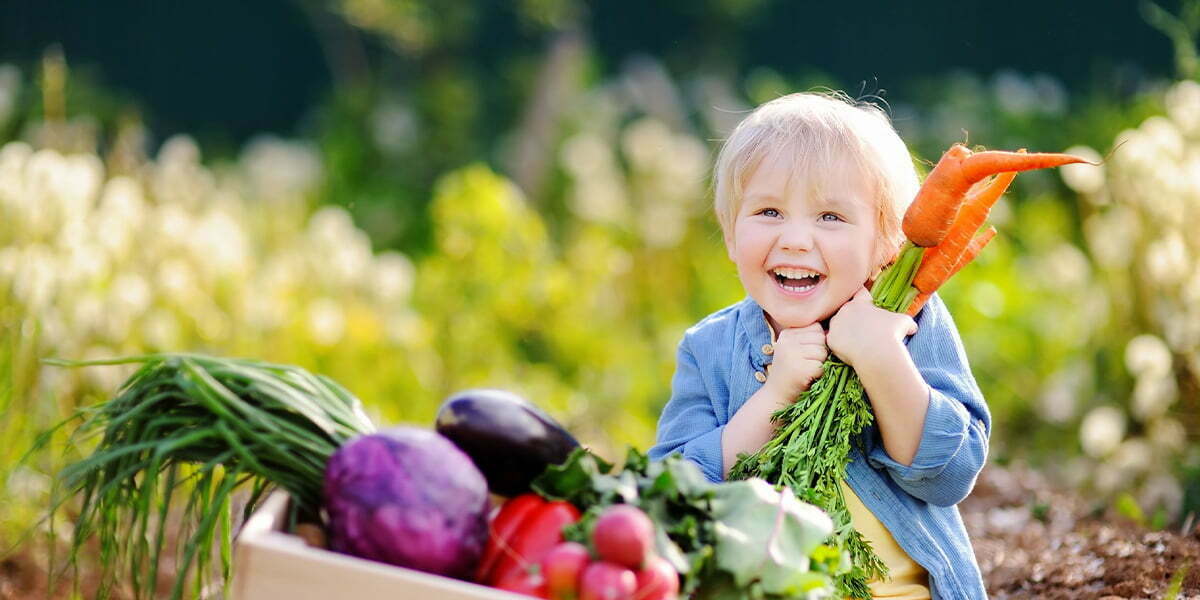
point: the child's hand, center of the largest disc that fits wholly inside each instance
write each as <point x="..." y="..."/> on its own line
<point x="860" y="330"/>
<point x="799" y="354"/>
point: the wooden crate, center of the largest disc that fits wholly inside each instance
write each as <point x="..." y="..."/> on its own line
<point x="270" y="564"/>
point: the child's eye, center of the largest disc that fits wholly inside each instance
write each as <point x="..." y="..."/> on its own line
<point x="769" y="212"/>
<point x="830" y="217"/>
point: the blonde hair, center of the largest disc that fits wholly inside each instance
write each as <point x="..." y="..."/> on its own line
<point x="822" y="131"/>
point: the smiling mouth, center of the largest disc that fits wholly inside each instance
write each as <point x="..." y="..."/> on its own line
<point x="797" y="282"/>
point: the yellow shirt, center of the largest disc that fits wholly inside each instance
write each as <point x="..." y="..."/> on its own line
<point x="907" y="579"/>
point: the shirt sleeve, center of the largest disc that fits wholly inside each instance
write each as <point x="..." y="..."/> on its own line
<point x="689" y="424"/>
<point x="954" y="439"/>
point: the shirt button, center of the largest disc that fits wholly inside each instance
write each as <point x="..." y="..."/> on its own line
<point x="768" y="349"/>
<point x="760" y="376"/>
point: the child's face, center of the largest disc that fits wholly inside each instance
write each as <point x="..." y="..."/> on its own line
<point x="802" y="250"/>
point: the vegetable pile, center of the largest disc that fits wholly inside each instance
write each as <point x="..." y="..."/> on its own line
<point x="189" y="430"/>
<point x="811" y="448"/>
<point x="740" y="539"/>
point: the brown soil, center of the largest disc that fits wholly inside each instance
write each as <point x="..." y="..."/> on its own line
<point x="1032" y="540"/>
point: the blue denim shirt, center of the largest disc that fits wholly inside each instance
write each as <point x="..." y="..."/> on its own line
<point x="715" y="375"/>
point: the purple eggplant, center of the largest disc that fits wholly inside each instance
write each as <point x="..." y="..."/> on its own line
<point x="510" y="439"/>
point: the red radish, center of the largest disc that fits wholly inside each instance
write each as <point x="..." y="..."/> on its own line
<point x="562" y="567"/>
<point x="606" y="581"/>
<point x="624" y="535"/>
<point x="658" y="580"/>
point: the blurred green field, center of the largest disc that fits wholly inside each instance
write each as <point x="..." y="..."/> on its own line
<point x="568" y="267"/>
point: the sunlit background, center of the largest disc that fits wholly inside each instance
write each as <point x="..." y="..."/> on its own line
<point x="415" y="197"/>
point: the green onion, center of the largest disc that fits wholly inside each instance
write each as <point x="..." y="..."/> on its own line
<point x="192" y="429"/>
<point x="811" y="448"/>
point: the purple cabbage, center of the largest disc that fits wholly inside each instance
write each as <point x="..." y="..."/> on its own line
<point x="407" y="497"/>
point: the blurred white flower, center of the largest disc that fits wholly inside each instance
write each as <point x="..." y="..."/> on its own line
<point x="326" y="321"/>
<point x="1190" y="292"/>
<point x="1152" y="396"/>
<point x="81" y="183"/>
<point x="177" y="280"/>
<point x="1111" y="236"/>
<point x="1147" y="356"/>
<point x="1084" y="178"/>
<point x="1013" y="93"/>
<point x="131" y="292"/>
<point x="393" y="277"/>
<point x="598" y="193"/>
<point x="173" y="224"/>
<point x="348" y="263"/>
<point x="161" y="330"/>
<point x="586" y="153"/>
<point x="36" y="277"/>
<point x="263" y="310"/>
<point x="1167" y="433"/>
<point x="1064" y="266"/>
<point x="1102" y="430"/>
<point x="1166" y="259"/>
<point x="220" y="245"/>
<point x="281" y="169"/>
<point x="1165" y="136"/>
<point x="662" y="225"/>
<point x="87" y="314"/>
<point x="122" y="197"/>
<point x="1162" y="490"/>
<point x="23" y="481"/>
<point x="1051" y="94"/>
<point x="646" y="142"/>
<point x="81" y="262"/>
<point x="115" y="325"/>
<point x="10" y="260"/>
<point x="1183" y="106"/>
<point x="178" y="151"/>
<point x="406" y="328"/>
<point x="1132" y="457"/>
<point x="596" y="200"/>
<point x="178" y="177"/>
<point x="394" y="126"/>
<point x="1058" y="402"/>
<point x="330" y="226"/>
<point x="53" y="330"/>
<point x="212" y="324"/>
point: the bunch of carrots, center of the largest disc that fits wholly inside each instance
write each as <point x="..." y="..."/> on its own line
<point x="811" y="447"/>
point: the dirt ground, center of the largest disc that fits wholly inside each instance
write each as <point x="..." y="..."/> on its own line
<point x="1035" y="541"/>
<point x="1031" y="539"/>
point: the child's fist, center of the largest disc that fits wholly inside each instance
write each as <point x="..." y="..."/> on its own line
<point x="799" y="355"/>
<point x="860" y="331"/>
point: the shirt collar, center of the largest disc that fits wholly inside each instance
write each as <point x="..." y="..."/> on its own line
<point x="758" y="331"/>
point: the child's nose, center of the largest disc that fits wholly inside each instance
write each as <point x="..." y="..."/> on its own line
<point x="796" y="237"/>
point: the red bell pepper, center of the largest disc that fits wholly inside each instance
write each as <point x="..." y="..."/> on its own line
<point x="526" y="528"/>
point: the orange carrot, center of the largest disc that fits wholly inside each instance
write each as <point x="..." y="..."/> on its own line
<point x="934" y="209"/>
<point x="941" y="259"/>
<point x="918" y="303"/>
<point x="973" y="249"/>
<point x="936" y="204"/>
<point x="969" y="253"/>
<point x="981" y="164"/>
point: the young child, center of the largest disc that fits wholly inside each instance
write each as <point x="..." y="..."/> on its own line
<point x="810" y="193"/>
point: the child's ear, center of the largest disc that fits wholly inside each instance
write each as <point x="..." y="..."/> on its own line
<point x="729" y="246"/>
